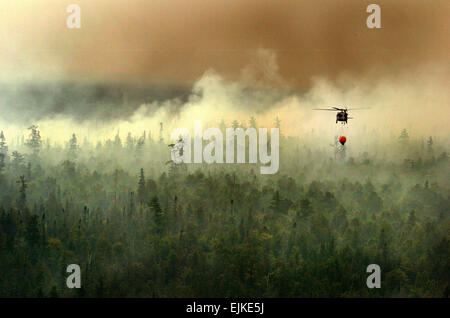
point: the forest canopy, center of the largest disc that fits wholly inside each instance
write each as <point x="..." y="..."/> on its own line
<point x="141" y="227"/>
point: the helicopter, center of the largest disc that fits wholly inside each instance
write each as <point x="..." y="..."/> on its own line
<point x="342" y="114"/>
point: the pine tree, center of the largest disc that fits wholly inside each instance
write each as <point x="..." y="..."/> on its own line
<point x="3" y="152"/>
<point x="158" y="215"/>
<point x="161" y="129"/>
<point x="131" y="206"/>
<point x="430" y="144"/>
<point x="34" y="141"/>
<point x="22" y="200"/>
<point x="142" y="192"/>
<point x="140" y="146"/>
<point x="32" y="234"/>
<point x="277" y="122"/>
<point x="3" y="145"/>
<point x="73" y="147"/>
<point x="130" y="142"/>
<point x="117" y="141"/>
<point x="28" y="171"/>
<point x="383" y="244"/>
<point x="2" y="162"/>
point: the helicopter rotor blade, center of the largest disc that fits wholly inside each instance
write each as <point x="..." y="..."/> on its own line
<point x="359" y="108"/>
<point x="332" y="110"/>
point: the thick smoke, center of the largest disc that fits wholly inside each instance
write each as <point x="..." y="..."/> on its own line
<point x="135" y="64"/>
<point x="31" y="102"/>
<point x="416" y="99"/>
<point x="174" y="42"/>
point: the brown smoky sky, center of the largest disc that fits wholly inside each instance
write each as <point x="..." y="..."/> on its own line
<point x="176" y="41"/>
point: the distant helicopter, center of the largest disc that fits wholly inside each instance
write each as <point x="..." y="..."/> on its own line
<point x="342" y="114"/>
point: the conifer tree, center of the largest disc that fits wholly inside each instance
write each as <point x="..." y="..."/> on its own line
<point x="73" y="147"/>
<point x="22" y="200"/>
<point x="142" y="191"/>
<point x="34" y="141"/>
<point x="3" y="145"/>
<point x="158" y="215"/>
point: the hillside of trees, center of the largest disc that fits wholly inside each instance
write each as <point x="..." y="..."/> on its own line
<point x="141" y="227"/>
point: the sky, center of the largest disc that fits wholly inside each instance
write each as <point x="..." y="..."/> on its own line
<point x="134" y="62"/>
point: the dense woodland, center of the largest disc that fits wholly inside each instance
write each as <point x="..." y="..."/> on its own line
<point x="141" y="227"/>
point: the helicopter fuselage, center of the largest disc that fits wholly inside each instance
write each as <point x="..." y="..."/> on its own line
<point x="342" y="116"/>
